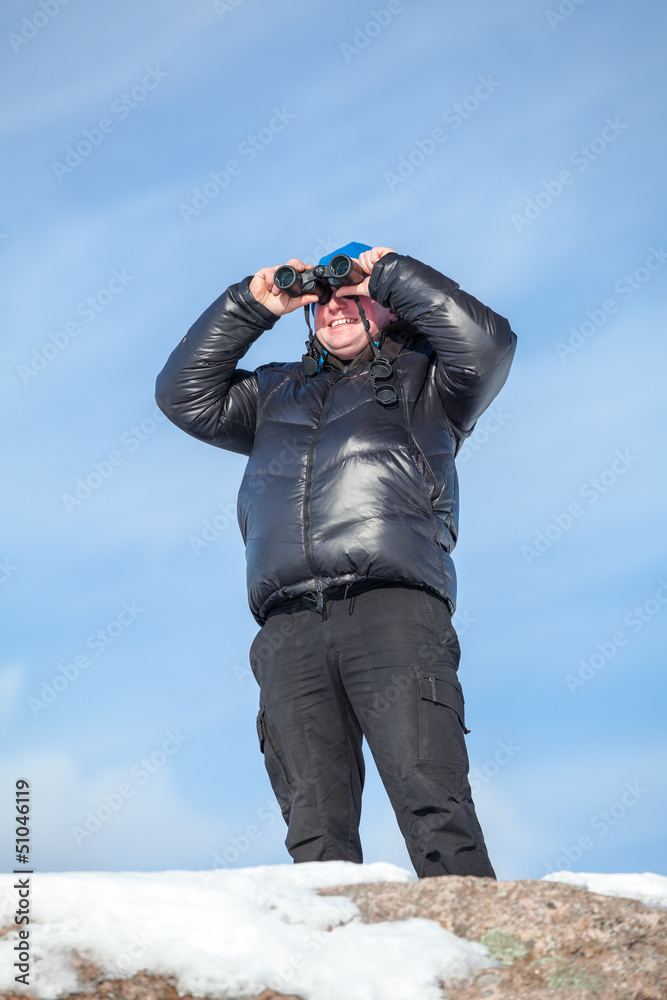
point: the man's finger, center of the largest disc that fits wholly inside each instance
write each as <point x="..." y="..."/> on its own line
<point x="378" y="252"/>
<point x="347" y="290"/>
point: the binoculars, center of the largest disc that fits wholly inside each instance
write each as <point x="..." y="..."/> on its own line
<point x="320" y="280"/>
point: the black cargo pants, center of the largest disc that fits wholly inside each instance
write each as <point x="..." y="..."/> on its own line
<point x="380" y="663"/>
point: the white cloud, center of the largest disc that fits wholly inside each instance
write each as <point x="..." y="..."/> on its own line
<point x="119" y="817"/>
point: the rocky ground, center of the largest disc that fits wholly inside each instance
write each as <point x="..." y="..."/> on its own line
<point x="555" y="942"/>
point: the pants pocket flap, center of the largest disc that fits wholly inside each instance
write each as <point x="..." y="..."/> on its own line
<point x="437" y="684"/>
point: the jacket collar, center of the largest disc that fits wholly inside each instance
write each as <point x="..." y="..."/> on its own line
<point x="333" y="361"/>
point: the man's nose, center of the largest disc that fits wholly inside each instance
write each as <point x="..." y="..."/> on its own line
<point x="337" y="303"/>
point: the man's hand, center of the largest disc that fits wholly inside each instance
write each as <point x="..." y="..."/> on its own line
<point x="366" y="260"/>
<point x="278" y="302"/>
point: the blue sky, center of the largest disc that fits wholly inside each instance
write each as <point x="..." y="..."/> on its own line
<point x="531" y="145"/>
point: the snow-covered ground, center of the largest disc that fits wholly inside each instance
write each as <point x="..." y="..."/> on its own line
<point x="243" y="930"/>
<point x="647" y="888"/>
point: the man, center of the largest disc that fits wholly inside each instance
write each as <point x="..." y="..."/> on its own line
<point x="349" y="509"/>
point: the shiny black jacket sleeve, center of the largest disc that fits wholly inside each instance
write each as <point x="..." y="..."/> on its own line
<point x="200" y="388"/>
<point x="474" y="345"/>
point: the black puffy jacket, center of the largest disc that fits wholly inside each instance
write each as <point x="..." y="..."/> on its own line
<point x="339" y="489"/>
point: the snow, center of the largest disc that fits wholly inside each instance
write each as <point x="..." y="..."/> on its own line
<point x="648" y="888"/>
<point x="235" y="931"/>
<point x="240" y="931"/>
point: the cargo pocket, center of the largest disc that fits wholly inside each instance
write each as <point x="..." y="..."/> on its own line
<point x="441" y="716"/>
<point x="260" y="729"/>
<point x="281" y="780"/>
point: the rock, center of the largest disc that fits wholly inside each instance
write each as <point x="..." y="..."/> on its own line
<point x="140" y="987"/>
<point x="554" y="940"/>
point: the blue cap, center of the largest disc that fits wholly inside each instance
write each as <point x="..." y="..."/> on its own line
<point x="351" y="249"/>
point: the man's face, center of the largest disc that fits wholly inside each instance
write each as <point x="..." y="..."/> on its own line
<point x="339" y="328"/>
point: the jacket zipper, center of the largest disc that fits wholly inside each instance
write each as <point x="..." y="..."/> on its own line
<point x="310" y="463"/>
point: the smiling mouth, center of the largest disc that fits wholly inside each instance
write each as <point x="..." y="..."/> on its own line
<point x="342" y="322"/>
